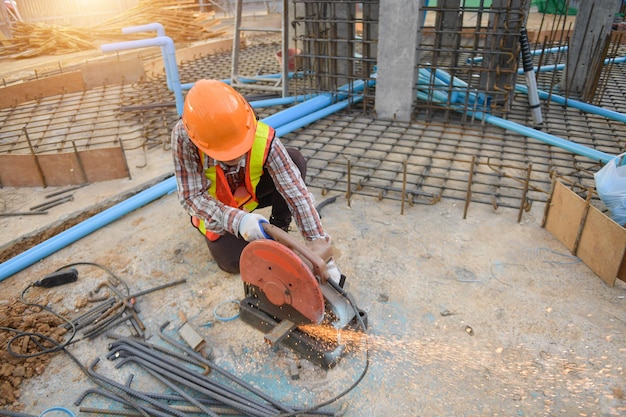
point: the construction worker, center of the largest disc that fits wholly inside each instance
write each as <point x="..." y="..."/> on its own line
<point x="227" y="164"/>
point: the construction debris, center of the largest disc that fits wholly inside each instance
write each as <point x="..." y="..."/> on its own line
<point x="181" y="20"/>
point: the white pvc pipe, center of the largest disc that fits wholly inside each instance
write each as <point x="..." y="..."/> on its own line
<point x="169" y="61"/>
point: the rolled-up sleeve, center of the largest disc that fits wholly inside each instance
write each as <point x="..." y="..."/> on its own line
<point x="291" y="186"/>
<point x="192" y="187"/>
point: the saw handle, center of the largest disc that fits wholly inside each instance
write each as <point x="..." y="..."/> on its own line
<point x="317" y="263"/>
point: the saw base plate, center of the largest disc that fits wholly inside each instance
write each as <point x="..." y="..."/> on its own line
<point x="314" y="350"/>
<point x="305" y="345"/>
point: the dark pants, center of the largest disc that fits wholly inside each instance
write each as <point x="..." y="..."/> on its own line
<point x="226" y="250"/>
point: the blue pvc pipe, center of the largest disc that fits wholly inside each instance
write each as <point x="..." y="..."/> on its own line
<point x="84" y="228"/>
<point x="308" y="119"/>
<point x="281" y="101"/>
<point x="545" y="137"/>
<point x="588" y="108"/>
<point x="317" y="103"/>
<point x="558" y="67"/>
<point x="150" y="27"/>
<point x="299" y="110"/>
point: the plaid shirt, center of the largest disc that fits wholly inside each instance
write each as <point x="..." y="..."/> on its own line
<point x="193" y="185"/>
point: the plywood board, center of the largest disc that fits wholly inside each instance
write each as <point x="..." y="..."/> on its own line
<point x="15" y="94"/>
<point x="564" y="215"/>
<point x="602" y="245"/>
<point x="92" y="165"/>
<point x="602" y="242"/>
<point x="104" y="164"/>
<point x="61" y="169"/>
<point x="19" y="171"/>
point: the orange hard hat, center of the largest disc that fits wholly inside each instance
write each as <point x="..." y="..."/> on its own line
<point x="219" y="120"/>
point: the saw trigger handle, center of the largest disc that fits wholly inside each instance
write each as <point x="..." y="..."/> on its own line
<point x="316" y="262"/>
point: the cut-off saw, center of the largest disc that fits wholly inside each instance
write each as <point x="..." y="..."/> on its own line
<point x="287" y="285"/>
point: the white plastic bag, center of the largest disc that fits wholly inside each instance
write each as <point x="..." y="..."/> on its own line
<point x="611" y="187"/>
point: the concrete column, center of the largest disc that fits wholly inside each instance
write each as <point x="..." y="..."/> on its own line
<point x="587" y="46"/>
<point x="397" y="59"/>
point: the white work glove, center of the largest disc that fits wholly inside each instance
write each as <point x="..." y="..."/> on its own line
<point x="333" y="271"/>
<point x="251" y="227"/>
<point x="323" y="249"/>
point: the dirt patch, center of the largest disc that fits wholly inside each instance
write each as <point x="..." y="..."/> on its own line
<point x="29" y="241"/>
<point x="21" y="350"/>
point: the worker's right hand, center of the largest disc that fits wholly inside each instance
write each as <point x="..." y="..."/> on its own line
<point x="251" y="227"/>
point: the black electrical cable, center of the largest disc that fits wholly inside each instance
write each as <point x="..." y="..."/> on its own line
<point x="324" y="203"/>
<point x="61" y="346"/>
<point x="20" y="334"/>
<point x="72" y="325"/>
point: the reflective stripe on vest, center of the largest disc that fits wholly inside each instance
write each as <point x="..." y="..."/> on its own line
<point x="244" y="197"/>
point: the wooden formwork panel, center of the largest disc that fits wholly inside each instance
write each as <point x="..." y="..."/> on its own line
<point x="588" y="233"/>
<point x="15" y="94"/>
<point x="19" y="171"/>
<point x="61" y="169"/>
<point x="104" y="164"/>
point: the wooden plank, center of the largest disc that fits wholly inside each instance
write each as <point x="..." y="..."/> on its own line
<point x="61" y="169"/>
<point x="104" y="164"/>
<point x="621" y="274"/>
<point x="15" y="94"/>
<point x="564" y="216"/>
<point x="602" y="245"/>
<point x="19" y="171"/>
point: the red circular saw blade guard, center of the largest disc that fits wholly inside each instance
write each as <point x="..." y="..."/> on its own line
<point x="283" y="277"/>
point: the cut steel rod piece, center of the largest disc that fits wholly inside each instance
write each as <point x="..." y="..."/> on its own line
<point x="221" y="371"/>
<point x="136" y="394"/>
<point x="170" y="368"/>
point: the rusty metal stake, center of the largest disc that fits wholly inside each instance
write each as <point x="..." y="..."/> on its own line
<point x="403" y="187"/>
<point x="79" y="161"/>
<point x="524" y="201"/>
<point x="32" y="151"/>
<point x="583" y="220"/>
<point x="52" y="203"/>
<point x="349" y="190"/>
<point x="468" y="195"/>
<point x="549" y="202"/>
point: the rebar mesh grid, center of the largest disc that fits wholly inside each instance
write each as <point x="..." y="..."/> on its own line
<point x="467" y="59"/>
<point x="87" y="119"/>
<point x="351" y="152"/>
<point x="338" y="44"/>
